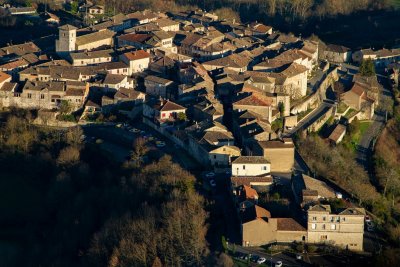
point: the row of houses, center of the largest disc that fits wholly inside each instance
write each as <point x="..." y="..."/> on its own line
<point x="381" y="57"/>
<point x="342" y="227"/>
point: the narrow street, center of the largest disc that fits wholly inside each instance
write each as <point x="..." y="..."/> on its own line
<point x="315" y="115"/>
<point x="364" y="148"/>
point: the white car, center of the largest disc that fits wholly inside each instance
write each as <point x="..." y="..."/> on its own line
<point x="213" y="183"/>
<point x="278" y="264"/>
<point x="261" y="260"/>
<point x="299" y="257"/>
<point x="134" y="130"/>
<point x="210" y="174"/>
<point x="160" y="144"/>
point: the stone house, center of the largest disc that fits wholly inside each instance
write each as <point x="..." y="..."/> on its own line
<point x="117" y="81"/>
<point x="46" y="95"/>
<point x="14" y="67"/>
<point x="159" y="87"/>
<point x="167" y="25"/>
<point x="337" y="54"/>
<point x="125" y="98"/>
<point x="221" y="157"/>
<point x="259" y="29"/>
<point x="249" y="126"/>
<point x="156" y="39"/>
<point x="337" y="134"/>
<point x="68" y="41"/>
<point x="381" y="58"/>
<point x="206" y="110"/>
<point x="161" y="111"/>
<point x="92" y="58"/>
<point x="256" y="103"/>
<point x="91" y="41"/>
<point x="76" y="93"/>
<point x="4" y="78"/>
<point x="259" y="228"/>
<point x="248" y="166"/>
<point x="292" y="81"/>
<point x="344" y="228"/>
<point x="205" y="137"/>
<point x="279" y="152"/>
<point x="137" y="61"/>
<point x="138" y="18"/>
<point x="232" y="62"/>
<point x="358" y="99"/>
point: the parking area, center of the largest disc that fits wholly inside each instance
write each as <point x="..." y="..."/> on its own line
<point x="118" y="140"/>
<point x="259" y="257"/>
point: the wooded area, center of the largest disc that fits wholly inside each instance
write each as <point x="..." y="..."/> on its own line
<point x="67" y="204"/>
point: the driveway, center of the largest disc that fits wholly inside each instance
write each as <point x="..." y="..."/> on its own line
<point x="288" y="259"/>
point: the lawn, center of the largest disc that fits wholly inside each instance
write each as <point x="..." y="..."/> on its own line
<point x="352" y="141"/>
<point x="363" y="127"/>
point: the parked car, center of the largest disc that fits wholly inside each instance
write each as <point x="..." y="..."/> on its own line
<point x="213" y="183"/>
<point x="254" y="258"/>
<point x="160" y="144"/>
<point x="210" y="174"/>
<point x="238" y="255"/>
<point x="367" y="219"/>
<point x="119" y="125"/>
<point x="299" y="257"/>
<point x="370" y="228"/>
<point x="278" y="264"/>
<point x="261" y="260"/>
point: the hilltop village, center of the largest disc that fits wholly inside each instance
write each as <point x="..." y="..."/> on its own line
<point x="232" y="95"/>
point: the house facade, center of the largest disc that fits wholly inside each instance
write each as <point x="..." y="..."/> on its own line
<point x="344" y="229"/>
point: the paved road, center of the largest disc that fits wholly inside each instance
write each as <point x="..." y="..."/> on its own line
<point x="288" y="259"/>
<point x="364" y="148"/>
<point x="315" y="115"/>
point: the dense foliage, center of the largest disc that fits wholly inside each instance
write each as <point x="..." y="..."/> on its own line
<point x="68" y="204"/>
<point x="367" y="68"/>
<point x="339" y="166"/>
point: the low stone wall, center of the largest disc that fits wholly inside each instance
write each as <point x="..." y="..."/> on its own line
<point x="320" y="122"/>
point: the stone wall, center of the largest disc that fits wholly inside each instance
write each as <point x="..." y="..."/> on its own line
<point x="314" y="100"/>
<point x="321" y="121"/>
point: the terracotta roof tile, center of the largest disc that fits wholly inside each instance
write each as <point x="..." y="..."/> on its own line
<point x="136" y="55"/>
